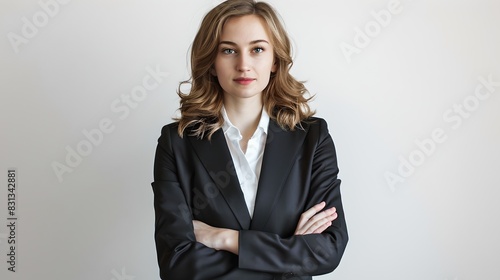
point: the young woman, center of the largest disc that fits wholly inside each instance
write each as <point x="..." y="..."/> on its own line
<point x="245" y="181"/>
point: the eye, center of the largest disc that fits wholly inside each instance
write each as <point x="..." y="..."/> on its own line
<point x="258" y="49"/>
<point x="228" y="51"/>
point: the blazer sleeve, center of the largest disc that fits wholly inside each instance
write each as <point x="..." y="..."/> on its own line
<point x="310" y="254"/>
<point x="179" y="255"/>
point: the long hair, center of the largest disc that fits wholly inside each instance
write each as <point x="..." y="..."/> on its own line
<point x="283" y="98"/>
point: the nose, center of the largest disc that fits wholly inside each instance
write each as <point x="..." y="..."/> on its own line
<point x="242" y="64"/>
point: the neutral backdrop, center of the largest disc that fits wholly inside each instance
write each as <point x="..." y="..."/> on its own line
<point x="410" y="90"/>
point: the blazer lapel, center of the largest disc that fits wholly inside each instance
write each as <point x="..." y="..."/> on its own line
<point x="216" y="159"/>
<point x="279" y="155"/>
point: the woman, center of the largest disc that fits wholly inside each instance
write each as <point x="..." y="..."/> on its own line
<point x="245" y="181"/>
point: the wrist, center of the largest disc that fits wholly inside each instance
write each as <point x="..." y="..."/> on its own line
<point x="229" y="240"/>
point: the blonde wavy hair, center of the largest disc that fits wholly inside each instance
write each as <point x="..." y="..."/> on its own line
<point x="283" y="98"/>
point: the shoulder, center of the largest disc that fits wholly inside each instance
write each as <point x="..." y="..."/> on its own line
<point x="169" y="131"/>
<point x="170" y="136"/>
<point x="315" y="122"/>
<point x="312" y="127"/>
<point x="313" y="131"/>
<point x="315" y="126"/>
<point x="170" y="128"/>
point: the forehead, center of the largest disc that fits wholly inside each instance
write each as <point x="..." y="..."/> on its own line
<point x="245" y="29"/>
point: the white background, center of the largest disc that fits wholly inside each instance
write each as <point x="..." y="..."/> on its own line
<point x="441" y="222"/>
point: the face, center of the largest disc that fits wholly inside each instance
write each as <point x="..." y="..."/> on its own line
<point x="245" y="58"/>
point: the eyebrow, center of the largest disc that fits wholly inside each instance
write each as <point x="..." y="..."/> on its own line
<point x="251" y="43"/>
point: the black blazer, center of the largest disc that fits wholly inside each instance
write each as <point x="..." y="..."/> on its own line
<point x="196" y="179"/>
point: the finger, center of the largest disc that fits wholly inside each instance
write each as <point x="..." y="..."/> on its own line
<point x="320" y="216"/>
<point x="309" y="213"/>
<point x="318" y="221"/>
<point x="304" y="225"/>
<point x="313" y="210"/>
<point x="318" y="227"/>
<point x="322" y="225"/>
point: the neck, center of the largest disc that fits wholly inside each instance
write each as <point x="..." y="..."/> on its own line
<point x="244" y="114"/>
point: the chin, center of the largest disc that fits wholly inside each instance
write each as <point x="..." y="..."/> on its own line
<point x="244" y="94"/>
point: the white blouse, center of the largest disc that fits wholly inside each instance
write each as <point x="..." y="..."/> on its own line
<point x="247" y="165"/>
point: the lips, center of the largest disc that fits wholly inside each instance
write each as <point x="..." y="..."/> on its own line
<point x="244" y="81"/>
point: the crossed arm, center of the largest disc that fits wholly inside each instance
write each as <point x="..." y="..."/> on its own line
<point x="311" y="221"/>
<point x="191" y="249"/>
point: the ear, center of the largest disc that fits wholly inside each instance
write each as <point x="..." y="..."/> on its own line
<point x="212" y="71"/>
<point x="274" y="67"/>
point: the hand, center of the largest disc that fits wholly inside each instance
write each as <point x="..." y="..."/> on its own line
<point x="216" y="238"/>
<point x="313" y="222"/>
<point x="205" y="234"/>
